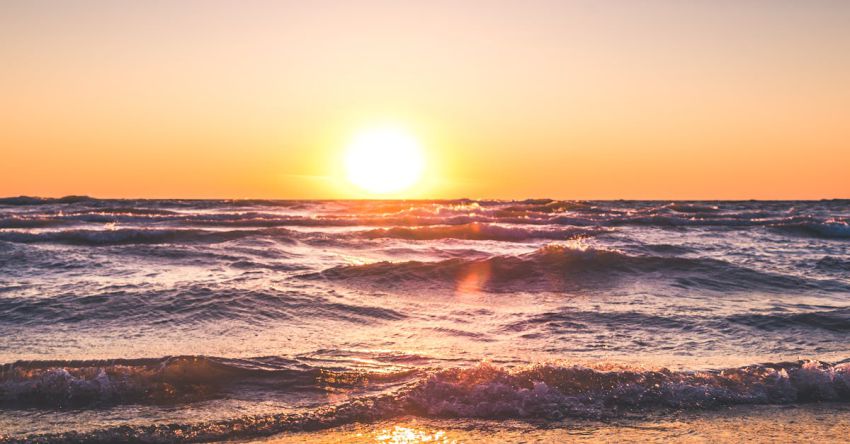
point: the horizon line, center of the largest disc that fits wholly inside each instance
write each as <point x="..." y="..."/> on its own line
<point x="72" y="198"/>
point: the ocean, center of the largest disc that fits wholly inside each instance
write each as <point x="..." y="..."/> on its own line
<point x="446" y="320"/>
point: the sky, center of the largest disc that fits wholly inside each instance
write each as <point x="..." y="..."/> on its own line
<point x="632" y="99"/>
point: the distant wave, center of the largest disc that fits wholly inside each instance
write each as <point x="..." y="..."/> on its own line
<point x="123" y="210"/>
<point x="477" y="231"/>
<point x="30" y="222"/>
<point x="138" y="236"/>
<point x="818" y="219"/>
<point x="557" y="267"/>
<point x="465" y="226"/>
<point x="28" y="200"/>
<point x="537" y="392"/>
<point x="183" y="305"/>
<point x="419" y="228"/>
<point x="831" y="229"/>
<point x="682" y="207"/>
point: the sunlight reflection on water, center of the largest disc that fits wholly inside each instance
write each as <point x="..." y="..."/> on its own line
<point x="410" y="435"/>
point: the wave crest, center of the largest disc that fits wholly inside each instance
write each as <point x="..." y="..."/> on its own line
<point x="29" y="200"/>
<point x="477" y="231"/>
<point x="165" y="380"/>
<point x="830" y="229"/>
<point x="139" y="236"/>
<point x="559" y="267"/>
<point x="537" y="392"/>
<point x="551" y="391"/>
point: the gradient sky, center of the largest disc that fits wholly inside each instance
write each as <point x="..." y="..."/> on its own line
<point x="512" y="99"/>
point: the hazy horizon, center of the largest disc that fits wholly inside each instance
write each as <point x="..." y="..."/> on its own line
<point x="379" y="198"/>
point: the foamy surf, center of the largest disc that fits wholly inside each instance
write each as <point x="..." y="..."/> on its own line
<point x="541" y="392"/>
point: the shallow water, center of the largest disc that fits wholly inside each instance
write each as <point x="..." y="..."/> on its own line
<point x="209" y="320"/>
<point x="763" y="424"/>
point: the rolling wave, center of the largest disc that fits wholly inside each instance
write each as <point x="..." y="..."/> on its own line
<point x="830" y="229"/>
<point x="554" y="391"/>
<point x="681" y="207"/>
<point x="183" y="305"/>
<point x="837" y="320"/>
<point x="139" y="236"/>
<point x="823" y="220"/>
<point x="477" y="231"/>
<point x="536" y="392"/>
<point x="456" y="227"/>
<point x="28" y="200"/>
<point x="643" y="326"/>
<point x="558" y="267"/>
<point x="30" y="222"/>
<point x="169" y="380"/>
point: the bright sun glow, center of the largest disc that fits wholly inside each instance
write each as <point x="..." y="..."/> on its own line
<point x="384" y="160"/>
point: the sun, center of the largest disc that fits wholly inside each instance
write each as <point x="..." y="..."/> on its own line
<point x="384" y="160"/>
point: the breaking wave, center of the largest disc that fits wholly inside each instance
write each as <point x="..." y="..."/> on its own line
<point x="163" y="381"/>
<point x="536" y="392"/>
<point x="554" y="391"/>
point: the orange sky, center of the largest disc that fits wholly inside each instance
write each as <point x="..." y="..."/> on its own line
<point x="511" y="99"/>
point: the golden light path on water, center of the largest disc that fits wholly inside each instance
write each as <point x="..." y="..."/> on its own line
<point x="826" y="422"/>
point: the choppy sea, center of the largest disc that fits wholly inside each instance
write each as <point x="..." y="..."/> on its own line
<point x="205" y="320"/>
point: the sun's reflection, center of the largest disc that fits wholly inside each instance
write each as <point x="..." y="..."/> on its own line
<point x="474" y="279"/>
<point x="410" y="435"/>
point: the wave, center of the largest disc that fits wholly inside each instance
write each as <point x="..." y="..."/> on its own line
<point x="831" y="263"/>
<point x="559" y="268"/>
<point x="240" y="219"/>
<point x="664" y="220"/>
<point x="684" y="207"/>
<point x="124" y="210"/>
<point x="405" y="226"/>
<point x="537" y="392"/>
<point x="554" y="391"/>
<point x="30" y="222"/>
<point x="837" y="320"/>
<point x="139" y="236"/>
<point x="567" y="322"/>
<point x="830" y="229"/>
<point x="804" y="225"/>
<point x="477" y="231"/>
<point x="28" y="200"/>
<point x="169" y="380"/>
<point x="182" y="305"/>
<point x="819" y="219"/>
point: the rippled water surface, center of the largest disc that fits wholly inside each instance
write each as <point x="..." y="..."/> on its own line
<point x="207" y="320"/>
